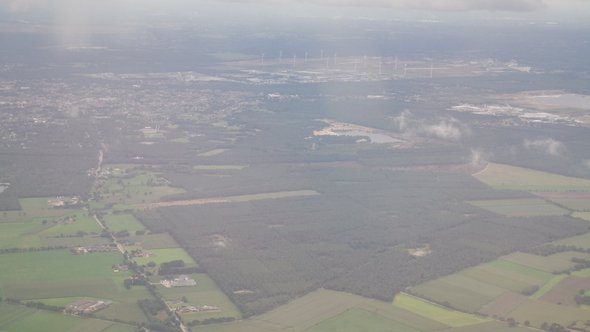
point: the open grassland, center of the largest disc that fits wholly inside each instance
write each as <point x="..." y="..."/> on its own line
<point x="123" y="222"/>
<point x="580" y="241"/>
<point x="55" y="265"/>
<point x="564" y="292"/>
<point x="20" y="235"/>
<point x="355" y="320"/>
<point x="573" y="200"/>
<point x="553" y="263"/>
<point x="204" y="293"/>
<point x="508" y="275"/>
<point x="503" y="305"/>
<point x="427" y="309"/>
<point x="548" y="286"/>
<point x="219" y="167"/>
<point x="460" y="291"/>
<point x="81" y="222"/>
<point x="33" y="209"/>
<point x="17" y="318"/>
<point x="42" y="321"/>
<point x="538" y="312"/>
<point x="323" y="310"/>
<point x="532" y="207"/>
<point x="155" y="241"/>
<point x="160" y="256"/>
<point x="501" y="176"/>
<point x="135" y="187"/>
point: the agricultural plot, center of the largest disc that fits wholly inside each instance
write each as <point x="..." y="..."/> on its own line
<point x="155" y="241"/>
<point x="18" y="318"/>
<point x="123" y="222"/>
<point x="553" y="263"/>
<point x="135" y="187"/>
<point x="521" y="207"/>
<point x="459" y="291"/>
<point x="508" y="275"/>
<point x="219" y="167"/>
<point x="355" y="320"/>
<point x="573" y="200"/>
<point x="160" y="256"/>
<point x="205" y="293"/>
<point x="548" y="287"/>
<point x="33" y="209"/>
<point x="564" y="292"/>
<point x="501" y="176"/>
<point x="580" y="241"/>
<point x="503" y="305"/>
<point x="538" y="312"/>
<point x="43" y="266"/>
<point x="433" y="311"/>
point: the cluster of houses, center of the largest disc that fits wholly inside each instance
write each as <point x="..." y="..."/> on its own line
<point x="85" y="307"/>
<point x="91" y="249"/>
<point x="180" y="281"/>
<point x="64" y="202"/>
<point x="203" y="308"/>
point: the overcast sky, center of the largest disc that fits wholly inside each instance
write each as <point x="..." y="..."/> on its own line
<point x="79" y="17"/>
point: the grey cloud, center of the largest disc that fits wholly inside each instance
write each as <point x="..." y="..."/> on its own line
<point x="479" y="157"/>
<point x="446" y="130"/>
<point x="442" y="5"/>
<point x="435" y="5"/>
<point x="547" y="146"/>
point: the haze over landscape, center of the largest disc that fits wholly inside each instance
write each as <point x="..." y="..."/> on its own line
<point x="284" y="165"/>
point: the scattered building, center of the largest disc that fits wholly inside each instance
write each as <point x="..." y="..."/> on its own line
<point x="85" y="307"/>
<point x="91" y="249"/>
<point x="203" y="308"/>
<point x="180" y="281"/>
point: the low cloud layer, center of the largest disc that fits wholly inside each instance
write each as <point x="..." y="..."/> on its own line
<point x="430" y="5"/>
<point x="547" y="146"/>
<point x="479" y="157"/>
<point x="442" y="5"/>
<point x="448" y="129"/>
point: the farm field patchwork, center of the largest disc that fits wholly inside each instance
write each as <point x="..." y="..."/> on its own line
<point x="573" y="200"/>
<point x="205" y="293"/>
<point x="123" y="222"/>
<point x="160" y="256"/>
<point x="521" y="207"/>
<point x="502" y="176"/>
<point x="444" y="315"/>
<point x="354" y="320"/>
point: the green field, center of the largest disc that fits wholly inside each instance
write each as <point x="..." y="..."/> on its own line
<point x="55" y="265"/>
<point x="160" y="256"/>
<point x="156" y="241"/>
<point x="123" y="222"/>
<point x="531" y="207"/>
<point x="459" y="291"/>
<point x="580" y="241"/>
<point x="358" y="320"/>
<point x="33" y="209"/>
<point x="538" y="312"/>
<point x="421" y="307"/>
<point x="501" y="176"/>
<point x="135" y="187"/>
<point x="548" y="286"/>
<point x="205" y="292"/>
<point x="18" y="318"/>
<point x="553" y="263"/>
<point x="219" y="167"/>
